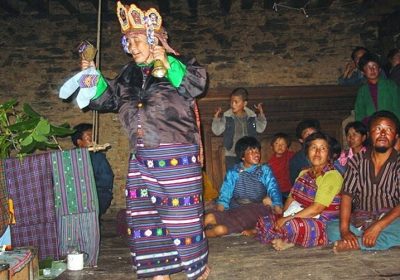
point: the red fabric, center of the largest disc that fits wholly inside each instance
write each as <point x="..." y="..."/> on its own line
<point x="280" y="168"/>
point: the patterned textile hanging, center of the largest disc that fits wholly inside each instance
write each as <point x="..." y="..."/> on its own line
<point x="30" y="186"/>
<point x="76" y="203"/>
<point x="4" y="214"/>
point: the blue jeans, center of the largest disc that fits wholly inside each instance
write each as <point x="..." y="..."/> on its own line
<point x="389" y="237"/>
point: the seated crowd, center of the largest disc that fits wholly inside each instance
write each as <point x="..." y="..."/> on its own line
<point x="347" y="198"/>
<point x="322" y="194"/>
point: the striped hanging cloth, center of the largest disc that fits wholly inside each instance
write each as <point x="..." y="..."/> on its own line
<point x="4" y="215"/>
<point x="76" y="203"/>
<point x="30" y="185"/>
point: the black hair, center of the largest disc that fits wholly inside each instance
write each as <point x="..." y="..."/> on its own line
<point x="336" y="148"/>
<point x="242" y="92"/>
<point x="384" y="114"/>
<point x="356" y="49"/>
<point x="307" y="123"/>
<point x="244" y="143"/>
<point x="283" y="136"/>
<point x="360" y="128"/>
<point x="323" y="136"/>
<point x="79" y="130"/>
<point x="366" y="58"/>
<point x="357" y="126"/>
<point x="391" y="54"/>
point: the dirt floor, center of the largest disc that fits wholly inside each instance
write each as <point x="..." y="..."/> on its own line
<point x="239" y="257"/>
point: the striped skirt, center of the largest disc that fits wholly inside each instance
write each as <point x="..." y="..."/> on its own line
<point x="165" y="211"/>
<point x="305" y="232"/>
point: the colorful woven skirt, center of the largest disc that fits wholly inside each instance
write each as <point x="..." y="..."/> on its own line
<point x="305" y="232"/>
<point x="165" y="211"/>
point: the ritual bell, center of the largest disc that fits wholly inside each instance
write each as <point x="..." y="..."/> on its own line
<point x="159" y="69"/>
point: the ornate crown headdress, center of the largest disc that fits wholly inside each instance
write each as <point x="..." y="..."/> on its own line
<point x="133" y="21"/>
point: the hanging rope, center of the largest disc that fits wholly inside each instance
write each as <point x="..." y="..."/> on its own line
<point x="96" y="113"/>
<point x="95" y="118"/>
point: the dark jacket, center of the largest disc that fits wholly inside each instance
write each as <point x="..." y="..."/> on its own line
<point x="230" y="130"/>
<point x="166" y="114"/>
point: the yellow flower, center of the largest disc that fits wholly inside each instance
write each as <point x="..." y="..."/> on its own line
<point x="174" y="162"/>
<point x="175" y="202"/>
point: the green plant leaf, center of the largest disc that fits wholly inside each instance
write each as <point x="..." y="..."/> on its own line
<point x="4" y="150"/>
<point x="23" y="126"/>
<point x="27" y="149"/>
<point x="26" y="131"/>
<point x="20" y="136"/>
<point x="51" y="145"/>
<point x="60" y="131"/>
<point x="43" y="127"/>
<point x="45" y="145"/>
<point x="8" y="105"/>
<point x="39" y="137"/>
<point x="30" y="112"/>
<point x="27" y="141"/>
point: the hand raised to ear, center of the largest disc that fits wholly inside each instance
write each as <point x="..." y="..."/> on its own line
<point x="159" y="53"/>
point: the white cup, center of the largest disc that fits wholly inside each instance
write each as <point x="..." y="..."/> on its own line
<point x="75" y="261"/>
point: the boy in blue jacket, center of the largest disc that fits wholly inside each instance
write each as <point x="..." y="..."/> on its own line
<point x="249" y="190"/>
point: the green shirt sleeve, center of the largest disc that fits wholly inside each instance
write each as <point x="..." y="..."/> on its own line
<point x="329" y="186"/>
<point x="101" y="86"/>
<point x="177" y="71"/>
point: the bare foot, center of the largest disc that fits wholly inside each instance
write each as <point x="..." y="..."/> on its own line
<point x="249" y="232"/>
<point x="267" y="201"/>
<point x="205" y="274"/>
<point x="342" y="246"/>
<point x="161" y="277"/>
<point x="280" y="245"/>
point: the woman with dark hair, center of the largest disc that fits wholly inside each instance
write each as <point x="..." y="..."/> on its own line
<point x="356" y="136"/>
<point x="313" y="200"/>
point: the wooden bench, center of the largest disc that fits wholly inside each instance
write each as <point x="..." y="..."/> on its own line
<point x="29" y="270"/>
<point x="284" y="107"/>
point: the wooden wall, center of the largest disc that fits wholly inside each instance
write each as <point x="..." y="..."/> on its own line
<point x="284" y="107"/>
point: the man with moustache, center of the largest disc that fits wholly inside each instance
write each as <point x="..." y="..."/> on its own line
<point x="371" y="188"/>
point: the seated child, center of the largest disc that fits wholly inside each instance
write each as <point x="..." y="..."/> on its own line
<point x="279" y="162"/>
<point x="243" y="196"/>
<point x="103" y="173"/>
